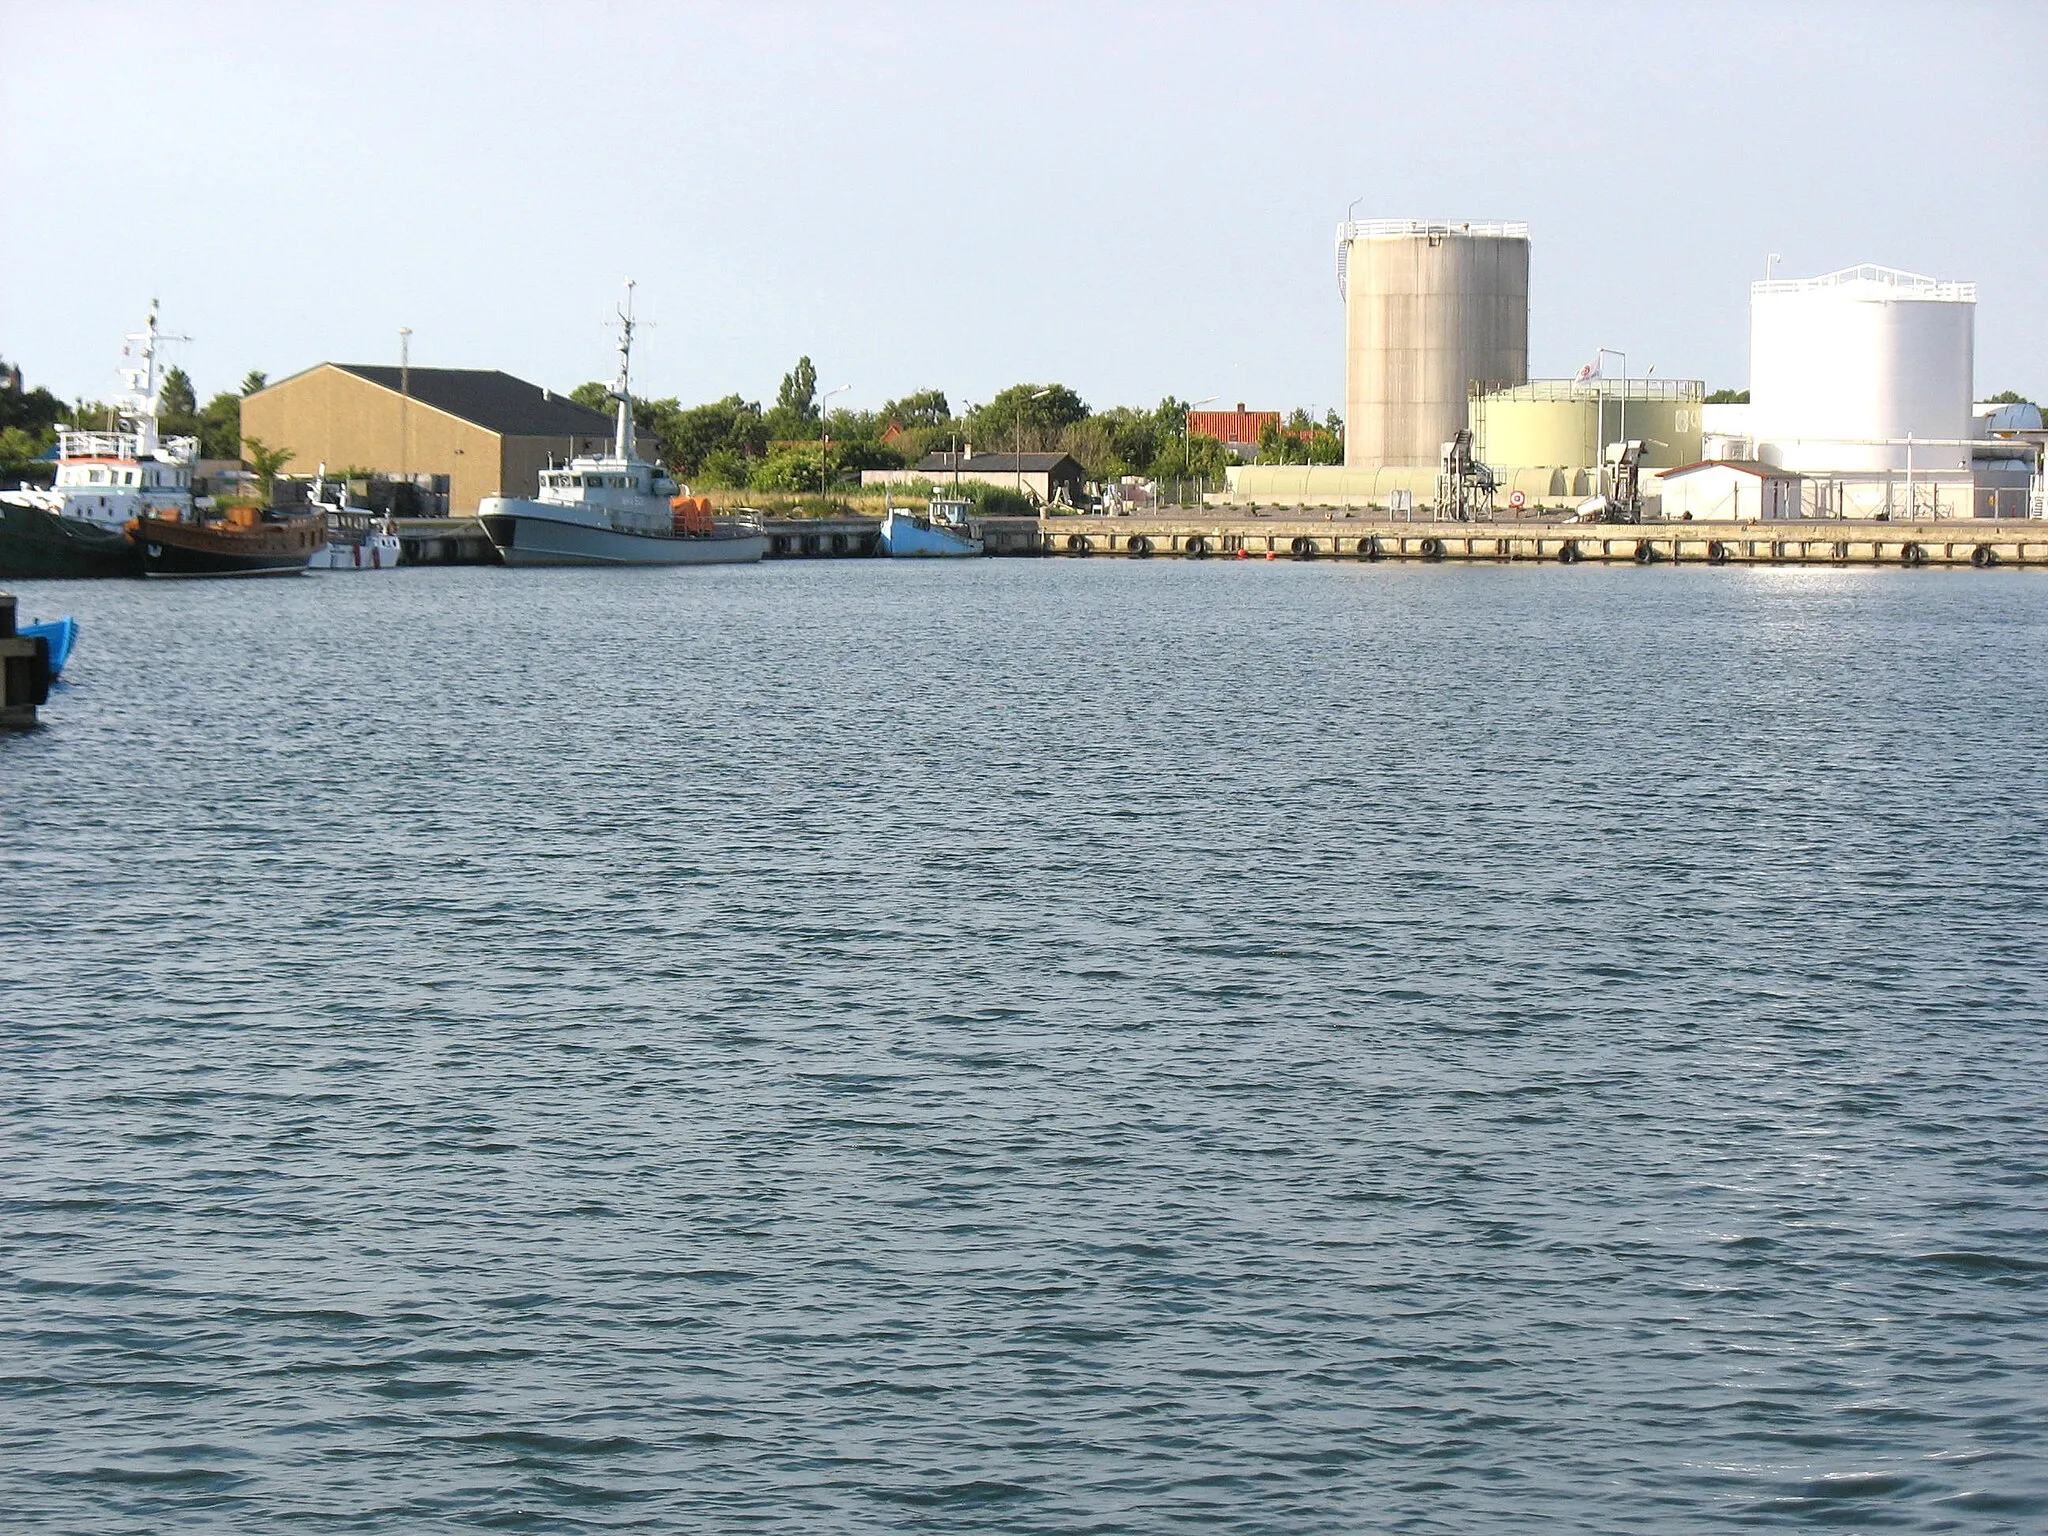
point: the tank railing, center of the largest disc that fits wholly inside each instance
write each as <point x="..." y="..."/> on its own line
<point x="1679" y="391"/>
<point x="1905" y="284"/>
<point x="1369" y="229"/>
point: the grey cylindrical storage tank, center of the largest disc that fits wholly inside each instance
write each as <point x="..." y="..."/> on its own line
<point x="1429" y="310"/>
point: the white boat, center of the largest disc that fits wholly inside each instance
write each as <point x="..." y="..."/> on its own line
<point x="108" y="479"/>
<point x="376" y="549"/>
<point x="616" y="508"/>
<point x="945" y="529"/>
<point x="357" y="538"/>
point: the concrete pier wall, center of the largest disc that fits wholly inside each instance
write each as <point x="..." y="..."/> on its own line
<point x="1981" y="544"/>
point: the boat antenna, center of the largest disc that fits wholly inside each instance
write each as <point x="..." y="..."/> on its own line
<point x="622" y="444"/>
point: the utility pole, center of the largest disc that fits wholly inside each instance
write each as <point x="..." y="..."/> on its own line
<point x="405" y="402"/>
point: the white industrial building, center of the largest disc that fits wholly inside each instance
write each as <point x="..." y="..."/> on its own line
<point x="1729" y="490"/>
<point x="1860" y="384"/>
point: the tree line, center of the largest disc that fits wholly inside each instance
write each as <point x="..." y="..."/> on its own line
<point x="791" y="445"/>
<point x="795" y="445"/>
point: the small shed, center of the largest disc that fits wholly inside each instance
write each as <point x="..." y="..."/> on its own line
<point x="1045" y="477"/>
<point x="1730" y="490"/>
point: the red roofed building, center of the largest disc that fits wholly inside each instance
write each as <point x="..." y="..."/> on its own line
<point x="1237" y="430"/>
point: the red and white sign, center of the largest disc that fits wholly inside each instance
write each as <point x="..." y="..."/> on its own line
<point x="1517" y="499"/>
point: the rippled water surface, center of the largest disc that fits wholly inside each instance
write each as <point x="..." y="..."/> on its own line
<point x="1029" y="1046"/>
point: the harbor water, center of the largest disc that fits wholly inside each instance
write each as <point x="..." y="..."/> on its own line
<point x="1038" y="1046"/>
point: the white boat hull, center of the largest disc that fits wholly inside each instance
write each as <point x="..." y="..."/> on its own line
<point x="380" y="554"/>
<point x="527" y="536"/>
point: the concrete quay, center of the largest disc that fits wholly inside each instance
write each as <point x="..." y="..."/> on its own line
<point x="24" y="672"/>
<point x="1967" y="542"/>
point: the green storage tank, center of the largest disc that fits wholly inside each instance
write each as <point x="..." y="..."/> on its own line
<point x="1560" y="424"/>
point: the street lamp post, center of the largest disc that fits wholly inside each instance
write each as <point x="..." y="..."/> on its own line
<point x="1017" y="446"/>
<point x="1600" y="426"/>
<point x="825" y="434"/>
<point x="1187" y="437"/>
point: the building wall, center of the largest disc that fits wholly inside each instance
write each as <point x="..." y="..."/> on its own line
<point x="1729" y="495"/>
<point x="329" y="415"/>
<point x="1426" y="315"/>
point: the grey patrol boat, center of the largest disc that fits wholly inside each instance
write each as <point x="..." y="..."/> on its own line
<point x="616" y="508"/>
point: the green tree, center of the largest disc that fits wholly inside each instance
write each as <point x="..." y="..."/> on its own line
<point x="593" y="396"/>
<point x="1301" y="440"/>
<point x="799" y="392"/>
<point x="35" y="411"/>
<point x="177" y="408"/>
<point x="1198" y="457"/>
<point x="1029" y="417"/>
<point x="268" y="463"/>
<point x="731" y="426"/>
<point x="1728" y="397"/>
<point x="790" y="469"/>
<point x="925" y="408"/>
<point x="220" y="426"/>
<point x="724" y="469"/>
<point x="19" y="449"/>
<point x="2006" y="397"/>
<point x="1119" y="441"/>
<point x="254" y="380"/>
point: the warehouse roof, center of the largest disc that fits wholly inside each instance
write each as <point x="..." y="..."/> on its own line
<point x="495" y="401"/>
<point x="998" y="463"/>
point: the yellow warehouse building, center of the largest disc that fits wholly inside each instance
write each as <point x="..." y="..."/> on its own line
<point x="489" y="433"/>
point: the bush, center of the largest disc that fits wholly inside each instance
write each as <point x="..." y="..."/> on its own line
<point x="1000" y="501"/>
<point x="789" y="469"/>
<point x="725" y="469"/>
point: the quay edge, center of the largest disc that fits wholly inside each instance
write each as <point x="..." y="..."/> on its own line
<point x="24" y="672"/>
<point x="1960" y="542"/>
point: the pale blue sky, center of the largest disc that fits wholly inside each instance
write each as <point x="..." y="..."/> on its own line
<point x="1132" y="199"/>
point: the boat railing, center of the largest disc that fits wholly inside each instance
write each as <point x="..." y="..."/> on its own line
<point x="122" y="445"/>
<point x="96" y="445"/>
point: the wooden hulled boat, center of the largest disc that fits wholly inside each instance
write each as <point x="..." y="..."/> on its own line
<point x="242" y="544"/>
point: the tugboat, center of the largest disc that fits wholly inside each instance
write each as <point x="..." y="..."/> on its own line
<point x="944" y="530"/>
<point x="122" y="504"/>
<point x="616" y="508"/>
<point x="37" y="543"/>
<point x="77" y="527"/>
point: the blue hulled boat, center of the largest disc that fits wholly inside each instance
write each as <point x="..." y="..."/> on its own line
<point x="62" y="635"/>
<point x="944" y="530"/>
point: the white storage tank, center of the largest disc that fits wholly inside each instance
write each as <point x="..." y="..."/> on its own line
<point x="1844" y="368"/>
<point x="1429" y="310"/>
